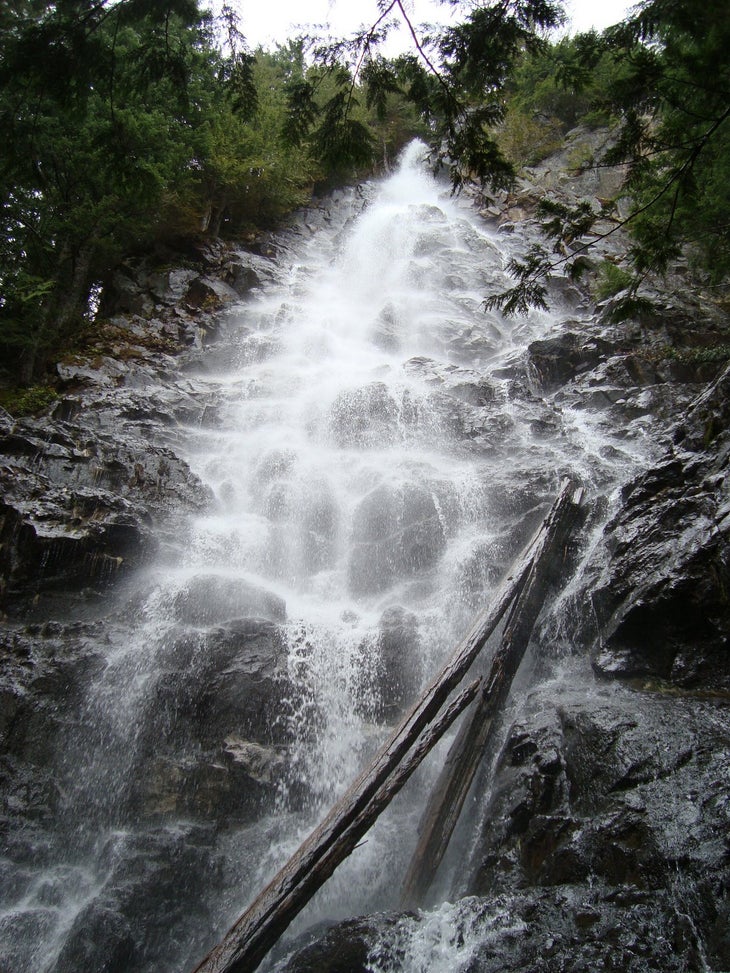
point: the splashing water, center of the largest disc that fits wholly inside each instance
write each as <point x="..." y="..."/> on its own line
<point x="377" y="464"/>
<point x="444" y="940"/>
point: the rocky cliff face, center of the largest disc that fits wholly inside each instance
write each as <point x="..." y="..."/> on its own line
<point x="602" y="840"/>
<point x="92" y="492"/>
<point x="603" y="836"/>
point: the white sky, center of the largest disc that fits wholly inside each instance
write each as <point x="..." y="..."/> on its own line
<point x="267" y="21"/>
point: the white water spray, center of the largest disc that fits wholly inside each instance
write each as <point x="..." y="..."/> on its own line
<point x="376" y="467"/>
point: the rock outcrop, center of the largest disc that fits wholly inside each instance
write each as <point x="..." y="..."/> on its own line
<point x="662" y="598"/>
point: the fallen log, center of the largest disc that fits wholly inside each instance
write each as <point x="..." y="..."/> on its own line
<point x="261" y="925"/>
<point x="239" y="956"/>
<point x="452" y="787"/>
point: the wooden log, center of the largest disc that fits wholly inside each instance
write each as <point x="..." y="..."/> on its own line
<point x="242" y="957"/>
<point x="452" y="787"/>
<point x="260" y="926"/>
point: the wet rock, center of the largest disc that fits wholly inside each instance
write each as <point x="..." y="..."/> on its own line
<point x="578" y="928"/>
<point x="208" y="788"/>
<point x="214" y="746"/>
<point x="583" y="929"/>
<point x="17" y="929"/>
<point x="243" y="683"/>
<point x="386" y="329"/>
<point x="398" y="656"/>
<point x="262" y="764"/>
<point x="556" y="361"/>
<point x="128" y="294"/>
<point x="100" y="939"/>
<point x="152" y="880"/>
<point x="661" y="601"/>
<point x="345" y="948"/>
<point x="245" y="271"/>
<point x="396" y="532"/>
<point x="366" y="416"/>
<point x="79" y="494"/>
<point x="610" y="798"/>
<point x="169" y="286"/>
<point x="208" y="292"/>
<point x="319" y="523"/>
<point x="209" y="598"/>
<point x="70" y="538"/>
<point x="43" y="672"/>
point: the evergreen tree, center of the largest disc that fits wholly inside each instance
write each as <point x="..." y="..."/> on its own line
<point x="455" y="78"/>
<point x="667" y="89"/>
<point x="97" y="122"/>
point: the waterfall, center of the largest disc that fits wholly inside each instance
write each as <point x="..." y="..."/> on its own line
<point x="378" y="457"/>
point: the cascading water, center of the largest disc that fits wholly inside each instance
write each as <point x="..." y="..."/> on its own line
<point x="376" y="463"/>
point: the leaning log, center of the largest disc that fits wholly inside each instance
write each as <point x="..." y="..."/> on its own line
<point x="452" y="787"/>
<point x="236" y="955"/>
<point x="268" y="916"/>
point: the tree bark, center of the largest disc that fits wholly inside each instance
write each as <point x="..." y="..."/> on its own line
<point x="68" y="298"/>
<point x="248" y="942"/>
<point x="448" y="795"/>
<point x="258" y="929"/>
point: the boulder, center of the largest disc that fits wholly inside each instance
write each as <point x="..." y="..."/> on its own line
<point x="399" y="671"/>
<point x="553" y="362"/>
<point x="579" y="928"/>
<point x="366" y="416"/>
<point x="345" y="948"/>
<point x="152" y="882"/>
<point x="21" y="927"/>
<point x="660" y="601"/>
<point x="386" y="329"/>
<point x="214" y="747"/>
<point x="208" y="599"/>
<point x="100" y="939"/>
<point x="396" y="532"/>
<point x="205" y="293"/>
<point x="608" y="801"/>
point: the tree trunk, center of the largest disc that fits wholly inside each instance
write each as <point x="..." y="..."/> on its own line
<point x="250" y="940"/>
<point x="448" y="795"/>
<point x="67" y="300"/>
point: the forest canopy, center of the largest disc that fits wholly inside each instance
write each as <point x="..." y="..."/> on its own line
<point x="131" y="125"/>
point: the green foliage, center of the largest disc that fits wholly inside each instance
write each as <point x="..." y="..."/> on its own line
<point x="699" y="356"/>
<point x="94" y="103"/>
<point x="610" y="280"/>
<point x="545" y="100"/>
<point x="671" y="98"/>
<point x="251" y="174"/>
<point x="530" y="291"/>
<point x="663" y="78"/>
<point x="632" y="306"/>
<point x="341" y="141"/>
<point x="566" y="225"/>
<point x="27" y="401"/>
<point x="526" y="140"/>
<point x="125" y="125"/>
<point x="455" y="82"/>
<point x="380" y="79"/>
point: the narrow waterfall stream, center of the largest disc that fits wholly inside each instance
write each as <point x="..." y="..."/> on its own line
<point x="377" y="459"/>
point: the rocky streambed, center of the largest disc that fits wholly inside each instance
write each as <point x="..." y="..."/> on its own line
<point x="599" y="834"/>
